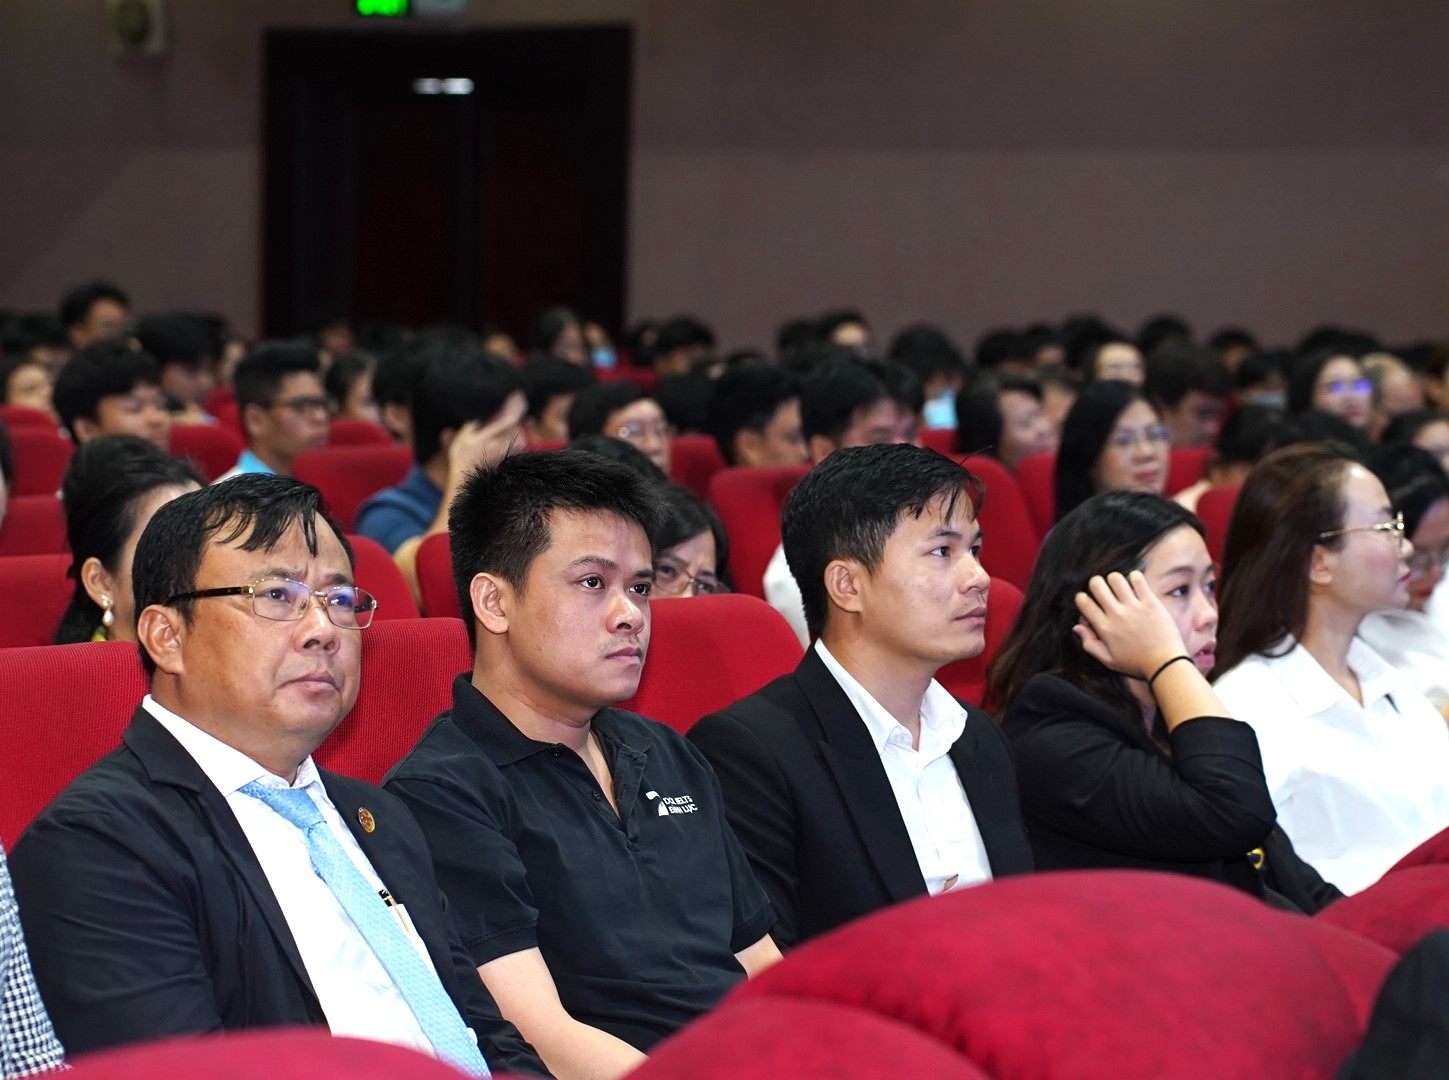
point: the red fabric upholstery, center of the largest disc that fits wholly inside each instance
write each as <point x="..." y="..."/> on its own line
<point x="642" y="377"/>
<point x="749" y="502"/>
<point x="212" y="448"/>
<point x="941" y="440"/>
<point x="1184" y="468"/>
<point x="435" y="578"/>
<point x="379" y="575"/>
<point x="1011" y="539"/>
<point x="693" y="461"/>
<point x="357" y="433"/>
<point x="36" y="593"/>
<point x="228" y="415"/>
<point x="966" y="679"/>
<point x="14" y="416"/>
<point x="408" y="667"/>
<point x="707" y="652"/>
<point x="1036" y="476"/>
<point x="1215" y="508"/>
<point x="34" y="525"/>
<point x="1398" y="909"/>
<point x="346" y="475"/>
<point x="1432" y="852"/>
<point x="1085" y="975"/>
<point x="41" y="455"/>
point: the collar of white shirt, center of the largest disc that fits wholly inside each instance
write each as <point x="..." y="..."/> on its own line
<point x="942" y="717"/>
<point x="225" y="766"/>
<point x="1314" y="690"/>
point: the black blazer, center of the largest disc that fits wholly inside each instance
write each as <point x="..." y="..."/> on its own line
<point x="1098" y="792"/>
<point x="808" y="797"/>
<point x="147" y="913"/>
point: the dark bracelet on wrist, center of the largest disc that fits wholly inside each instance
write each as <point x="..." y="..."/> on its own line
<point x="1165" y="666"/>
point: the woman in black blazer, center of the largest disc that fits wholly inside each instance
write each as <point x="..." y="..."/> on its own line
<point x="1124" y="754"/>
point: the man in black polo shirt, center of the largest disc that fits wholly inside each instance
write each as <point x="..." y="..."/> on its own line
<point x="584" y="849"/>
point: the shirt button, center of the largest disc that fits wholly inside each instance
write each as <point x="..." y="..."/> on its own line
<point x="556" y="752"/>
<point x="598" y="797"/>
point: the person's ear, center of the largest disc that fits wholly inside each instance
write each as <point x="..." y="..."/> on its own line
<point x="98" y="583"/>
<point x="821" y="447"/>
<point x="492" y="599"/>
<point x="749" y="448"/>
<point x="843" y="581"/>
<point x="531" y="430"/>
<point x="254" y="419"/>
<point x="86" y="429"/>
<point x="162" y="633"/>
<point x="1321" y="566"/>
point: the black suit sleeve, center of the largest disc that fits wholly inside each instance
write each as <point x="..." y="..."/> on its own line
<point x="1082" y="779"/>
<point x="760" y="810"/>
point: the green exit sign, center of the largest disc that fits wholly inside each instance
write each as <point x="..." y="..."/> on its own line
<point x="388" y="9"/>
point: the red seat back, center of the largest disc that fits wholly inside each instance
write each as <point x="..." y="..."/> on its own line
<point x="346" y="475"/>
<point x="34" y="525"/>
<point x="707" y="652"/>
<point x="212" y="448"/>
<point x="941" y="440"/>
<point x="14" y="416"/>
<point x="693" y="461"/>
<point x="434" y="567"/>
<point x="1215" y="508"/>
<point x="41" y="455"/>
<point x="379" y="575"/>
<point x="1185" y="467"/>
<point x="344" y="432"/>
<point x="1036" y="476"/>
<point x="749" y="502"/>
<point x="36" y="593"/>
<point x="1011" y="539"/>
<point x="966" y="679"/>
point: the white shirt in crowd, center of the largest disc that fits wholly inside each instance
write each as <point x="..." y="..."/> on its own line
<point x="356" y="993"/>
<point x="783" y="593"/>
<point x="928" y="790"/>
<point x="1356" y="787"/>
<point x="1416" y="646"/>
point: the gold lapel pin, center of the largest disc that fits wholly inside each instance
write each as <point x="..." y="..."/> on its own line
<point x="365" y="819"/>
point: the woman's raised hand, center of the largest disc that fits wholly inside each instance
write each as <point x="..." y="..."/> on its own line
<point x="1125" y="626"/>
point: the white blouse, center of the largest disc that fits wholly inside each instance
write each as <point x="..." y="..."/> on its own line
<point x="1416" y="646"/>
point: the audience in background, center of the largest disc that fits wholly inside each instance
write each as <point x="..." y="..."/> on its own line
<point x="846" y="328"/>
<point x="939" y="366"/>
<point x="183" y="346"/>
<point x="680" y="345"/>
<point x="1234" y="345"/>
<point x="392" y="389"/>
<point x="1249" y="433"/>
<point x="550" y="384"/>
<point x="1356" y="757"/>
<point x="1396" y="390"/>
<point x="754" y="416"/>
<point x="348" y="386"/>
<point x="1261" y="378"/>
<point x="1163" y="330"/>
<point x="622" y="410"/>
<point x="622" y="452"/>
<point x="283" y="409"/>
<point x="558" y="332"/>
<point x="113" y="485"/>
<point x="1112" y="440"/>
<point x="1118" y="359"/>
<point x="111" y="388"/>
<point x="686" y="398"/>
<point x="37" y="335"/>
<point x="26" y="383"/>
<point x="93" y="312"/>
<point x="1428" y="429"/>
<point x="1332" y="382"/>
<point x="1003" y="418"/>
<point x="1189" y="386"/>
<point x="692" y="553"/>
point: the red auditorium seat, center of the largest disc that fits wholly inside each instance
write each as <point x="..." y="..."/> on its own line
<point x="1036" y="476"/>
<point x="41" y="455"/>
<point x="707" y="652"/>
<point x="749" y="502"/>
<point x="34" y="525"/>
<point x="379" y="575"/>
<point x="36" y="592"/>
<point x="14" y="416"/>
<point x="1184" y="468"/>
<point x="434" y="566"/>
<point x="1011" y="539"/>
<point x="693" y="461"/>
<point x="212" y="448"/>
<point x="1398" y="909"/>
<point x="346" y="475"/>
<point x="966" y="679"/>
<point x="642" y="377"/>
<point x="1215" y="508"/>
<point x="357" y="433"/>
<point x="941" y="440"/>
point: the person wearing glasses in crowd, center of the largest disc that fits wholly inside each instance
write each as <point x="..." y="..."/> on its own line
<point x="1112" y="440"/>
<point x="693" y="552"/>
<point x="621" y="410"/>
<point x="283" y="407"/>
<point x="207" y="875"/>
<point x="1332" y="382"/>
<point x="1356" y="758"/>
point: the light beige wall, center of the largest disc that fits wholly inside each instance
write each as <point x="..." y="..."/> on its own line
<point x="967" y="161"/>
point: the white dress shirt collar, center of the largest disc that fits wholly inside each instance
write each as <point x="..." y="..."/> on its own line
<point x="225" y="766"/>
<point x="942" y="717"/>
<point x="1314" y="690"/>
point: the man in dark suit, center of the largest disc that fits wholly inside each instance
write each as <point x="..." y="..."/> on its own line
<point x="857" y="781"/>
<point x="206" y="875"/>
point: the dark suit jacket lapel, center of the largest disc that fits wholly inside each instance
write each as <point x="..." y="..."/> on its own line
<point x="851" y="757"/>
<point x="167" y="762"/>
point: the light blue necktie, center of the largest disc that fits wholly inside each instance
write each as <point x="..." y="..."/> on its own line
<point x="435" y="1012"/>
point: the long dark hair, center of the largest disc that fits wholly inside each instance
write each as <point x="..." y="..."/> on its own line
<point x="105" y="482"/>
<point x="686" y="516"/>
<point x="1289" y="499"/>
<point x="1084" y="436"/>
<point x="1108" y="533"/>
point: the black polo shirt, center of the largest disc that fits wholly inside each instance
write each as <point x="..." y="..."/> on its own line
<point x="639" y="915"/>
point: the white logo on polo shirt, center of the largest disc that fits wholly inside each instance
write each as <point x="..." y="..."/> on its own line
<point x="673" y="804"/>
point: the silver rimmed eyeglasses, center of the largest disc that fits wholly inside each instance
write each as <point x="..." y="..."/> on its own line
<point x="285" y="600"/>
<point x="1394" y="528"/>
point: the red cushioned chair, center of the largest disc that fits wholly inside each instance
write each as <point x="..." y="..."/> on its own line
<point x="41" y="455"/>
<point x="1100" y="974"/>
<point x="345" y="432"/>
<point x="1215" y="508"/>
<point x="1184" y="468"/>
<point x="212" y="448"/>
<point x="434" y="567"/>
<point x="34" y="525"/>
<point x="1398" y="909"/>
<point x="1011" y="539"/>
<point x="749" y="502"/>
<point x="707" y="652"/>
<point x="693" y="461"/>
<point x="36" y="593"/>
<point x="379" y="575"/>
<point x="14" y="416"/>
<point x="966" y="679"/>
<point x="1036" y="476"/>
<point x="941" y="440"/>
<point x="346" y="475"/>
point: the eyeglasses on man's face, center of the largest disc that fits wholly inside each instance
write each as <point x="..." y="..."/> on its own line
<point x="301" y="406"/>
<point x="1423" y="563"/>
<point x="285" y="600"/>
<point x="639" y="429"/>
<point x="1363" y="387"/>
<point x="1393" y="527"/>
<point x="1156" y="435"/>
<point x="674" y="580"/>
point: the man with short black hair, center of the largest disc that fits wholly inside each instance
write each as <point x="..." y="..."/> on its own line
<point x="584" y="849"/>
<point x="185" y="348"/>
<point x="283" y="407"/>
<point x="206" y="875"/>
<point x="551" y="384"/>
<point x="95" y="311"/>
<point x="754" y="417"/>
<point x="112" y="388"/>
<point x="857" y="781"/>
<point x="1189" y="386"/>
<point x="680" y="345"/>
<point x="621" y="410"/>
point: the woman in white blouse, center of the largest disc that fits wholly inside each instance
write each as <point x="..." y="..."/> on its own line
<point x="1356" y="758"/>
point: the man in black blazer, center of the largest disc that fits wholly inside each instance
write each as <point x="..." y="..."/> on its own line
<point x="857" y="781"/>
<point x="162" y="896"/>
